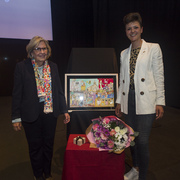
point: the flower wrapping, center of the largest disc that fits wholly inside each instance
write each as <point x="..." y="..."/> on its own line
<point x="79" y="140"/>
<point x="110" y="134"/>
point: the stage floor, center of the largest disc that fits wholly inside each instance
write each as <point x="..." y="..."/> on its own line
<point x="14" y="158"/>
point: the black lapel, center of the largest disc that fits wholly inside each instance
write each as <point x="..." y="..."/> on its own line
<point x="30" y="69"/>
<point x="52" y="74"/>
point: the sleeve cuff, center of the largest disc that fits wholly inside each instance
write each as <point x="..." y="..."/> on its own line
<point x="16" y="120"/>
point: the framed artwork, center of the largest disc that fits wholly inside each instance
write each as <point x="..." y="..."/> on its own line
<point x="86" y="92"/>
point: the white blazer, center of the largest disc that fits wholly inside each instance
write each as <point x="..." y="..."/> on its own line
<point x="148" y="79"/>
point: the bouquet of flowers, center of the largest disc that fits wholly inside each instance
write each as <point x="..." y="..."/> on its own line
<point x="110" y="133"/>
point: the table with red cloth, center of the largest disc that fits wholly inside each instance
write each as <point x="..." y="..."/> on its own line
<point x="84" y="163"/>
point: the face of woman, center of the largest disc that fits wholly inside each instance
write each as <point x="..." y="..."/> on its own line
<point x="134" y="31"/>
<point x="40" y="53"/>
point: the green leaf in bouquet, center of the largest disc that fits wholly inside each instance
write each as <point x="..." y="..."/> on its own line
<point x="95" y="122"/>
<point x="136" y="133"/>
<point x="132" y="143"/>
<point x="113" y="125"/>
<point x="121" y="126"/>
<point x="101" y="144"/>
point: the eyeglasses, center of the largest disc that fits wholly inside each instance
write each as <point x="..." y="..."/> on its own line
<point x="39" y="49"/>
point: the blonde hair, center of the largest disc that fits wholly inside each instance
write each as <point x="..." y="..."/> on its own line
<point x="34" y="42"/>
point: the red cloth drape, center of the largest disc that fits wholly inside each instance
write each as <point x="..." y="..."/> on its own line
<point x="84" y="163"/>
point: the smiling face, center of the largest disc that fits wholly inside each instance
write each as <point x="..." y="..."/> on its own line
<point x="134" y="31"/>
<point x="40" y="53"/>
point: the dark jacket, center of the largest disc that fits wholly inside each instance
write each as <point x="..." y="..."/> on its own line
<point x="25" y="102"/>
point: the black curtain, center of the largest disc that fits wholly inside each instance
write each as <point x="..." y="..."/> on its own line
<point x="98" y="23"/>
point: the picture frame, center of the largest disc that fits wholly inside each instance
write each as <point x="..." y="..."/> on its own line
<point x="91" y="91"/>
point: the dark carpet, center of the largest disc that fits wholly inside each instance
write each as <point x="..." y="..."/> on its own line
<point x="15" y="163"/>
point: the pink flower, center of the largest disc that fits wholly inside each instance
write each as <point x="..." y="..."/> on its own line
<point x="97" y="141"/>
<point x="106" y="120"/>
<point x="103" y="136"/>
<point x="112" y="132"/>
<point x="110" y="144"/>
<point x="95" y="127"/>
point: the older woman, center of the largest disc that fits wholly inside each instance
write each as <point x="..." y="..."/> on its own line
<point x="141" y="92"/>
<point x="37" y="101"/>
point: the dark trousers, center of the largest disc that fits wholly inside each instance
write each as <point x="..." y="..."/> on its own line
<point x="143" y="125"/>
<point x="40" y="136"/>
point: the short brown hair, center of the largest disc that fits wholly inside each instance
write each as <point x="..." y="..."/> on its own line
<point x="131" y="17"/>
<point x="34" y="42"/>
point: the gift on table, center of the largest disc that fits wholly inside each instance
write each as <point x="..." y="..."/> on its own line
<point x="79" y="140"/>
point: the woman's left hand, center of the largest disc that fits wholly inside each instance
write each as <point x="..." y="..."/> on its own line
<point x="67" y="118"/>
<point x="159" y="111"/>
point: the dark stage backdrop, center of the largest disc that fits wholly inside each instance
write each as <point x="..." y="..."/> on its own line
<point x="98" y="23"/>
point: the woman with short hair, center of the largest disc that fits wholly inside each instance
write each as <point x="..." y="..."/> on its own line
<point x="141" y="93"/>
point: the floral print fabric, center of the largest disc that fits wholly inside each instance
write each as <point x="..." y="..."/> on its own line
<point x="44" y="86"/>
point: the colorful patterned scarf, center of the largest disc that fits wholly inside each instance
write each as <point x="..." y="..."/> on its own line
<point x="43" y="83"/>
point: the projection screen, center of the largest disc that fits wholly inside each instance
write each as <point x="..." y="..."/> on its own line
<point x="23" y="19"/>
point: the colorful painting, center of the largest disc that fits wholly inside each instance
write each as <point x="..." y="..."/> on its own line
<point x="92" y="92"/>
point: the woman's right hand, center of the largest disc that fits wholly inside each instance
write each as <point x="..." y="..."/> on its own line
<point x="17" y="126"/>
<point x="118" y="110"/>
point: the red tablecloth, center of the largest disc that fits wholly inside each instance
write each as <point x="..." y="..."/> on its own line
<point x="84" y="163"/>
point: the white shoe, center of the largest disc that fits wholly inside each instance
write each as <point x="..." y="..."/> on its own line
<point x="133" y="174"/>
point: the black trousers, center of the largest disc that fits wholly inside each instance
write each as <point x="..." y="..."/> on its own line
<point x="40" y="136"/>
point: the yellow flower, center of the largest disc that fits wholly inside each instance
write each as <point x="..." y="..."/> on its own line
<point x="117" y="129"/>
<point x="123" y="131"/>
